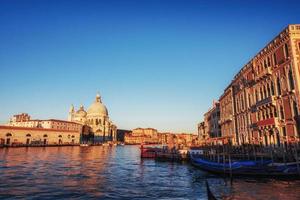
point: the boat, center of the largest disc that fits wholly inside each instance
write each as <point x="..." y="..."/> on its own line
<point x="265" y="168"/>
<point x="149" y="151"/>
<point x="84" y="145"/>
<point x="210" y="195"/>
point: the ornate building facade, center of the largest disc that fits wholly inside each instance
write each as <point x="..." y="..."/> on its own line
<point x="261" y="105"/>
<point x="211" y="122"/>
<point x="226" y="115"/>
<point x="201" y="131"/>
<point x="95" y="120"/>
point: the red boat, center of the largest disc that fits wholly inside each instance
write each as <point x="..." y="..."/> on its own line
<point x="149" y="151"/>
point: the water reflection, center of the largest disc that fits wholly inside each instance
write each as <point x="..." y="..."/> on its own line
<point x="117" y="173"/>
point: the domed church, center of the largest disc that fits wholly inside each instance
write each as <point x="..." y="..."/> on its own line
<point x="95" y="120"/>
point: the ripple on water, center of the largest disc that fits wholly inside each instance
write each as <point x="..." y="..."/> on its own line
<point x="117" y="173"/>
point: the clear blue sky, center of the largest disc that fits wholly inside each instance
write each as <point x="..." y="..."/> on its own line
<point x="156" y="63"/>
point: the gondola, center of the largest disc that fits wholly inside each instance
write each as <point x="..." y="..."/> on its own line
<point x="265" y="168"/>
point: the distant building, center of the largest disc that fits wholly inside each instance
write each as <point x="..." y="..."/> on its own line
<point x="211" y="121"/>
<point x="142" y="135"/>
<point x="20" y="136"/>
<point x="95" y="121"/>
<point x="202" y="134"/>
<point x="121" y="134"/>
<point x="226" y="116"/>
<point x="24" y="120"/>
<point x="22" y="130"/>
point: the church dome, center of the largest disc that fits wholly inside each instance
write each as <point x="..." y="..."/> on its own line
<point x="81" y="112"/>
<point x="97" y="108"/>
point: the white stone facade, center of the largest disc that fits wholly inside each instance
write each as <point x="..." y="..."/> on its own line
<point x="97" y="119"/>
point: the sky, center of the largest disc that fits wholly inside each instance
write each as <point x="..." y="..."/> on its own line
<point x="155" y="63"/>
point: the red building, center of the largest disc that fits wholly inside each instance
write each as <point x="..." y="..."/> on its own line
<point x="264" y="95"/>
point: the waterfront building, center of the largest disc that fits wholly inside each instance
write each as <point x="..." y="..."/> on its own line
<point x="211" y="122"/>
<point x="142" y="135"/>
<point x="95" y="120"/>
<point x="226" y="116"/>
<point x="24" y="120"/>
<point x="202" y="134"/>
<point x="37" y="136"/>
<point x="121" y="134"/>
<point x="261" y="105"/>
<point x="22" y="130"/>
<point x="264" y="95"/>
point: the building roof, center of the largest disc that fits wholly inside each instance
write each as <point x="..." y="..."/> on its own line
<point x="33" y="129"/>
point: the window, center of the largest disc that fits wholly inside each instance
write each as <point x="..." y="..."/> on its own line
<point x="286" y="50"/>
<point x="281" y="112"/>
<point x="278" y="87"/>
<point x="275" y="112"/>
<point x="272" y="88"/>
<point x="284" y="131"/>
<point x="267" y="114"/>
<point x="256" y="96"/>
<point x="265" y="92"/>
<point x="291" y="80"/>
<point x="295" y="109"/>
<point x="268" y="90"/>
<point x="261" y="94"/>
<point x="269" y="62"/>
<point x="274" y="57"/>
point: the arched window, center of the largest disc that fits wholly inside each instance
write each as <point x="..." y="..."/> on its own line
<point x="265" y="92"/>
<point x="278" y="86"/>
<point x="286" y="50"/>
<point x="45" y="135"/>
<point x="267" y="114"/>
<point x="256" y="96"/>
<point x="271" y="112"/>
<point x="28" y="135"/>
<point x="268" y="90"/>
<point x="8" y="134"/>
<point x="272" y="88"/>
<point x="96" y="121"/>
<point x="295" y="108"/>
<point x="60" y="136"/>
<point x="261" y="94"/>
<point x="275" y="112"/>
<point x="291" y="80"/>
<point x="73" y="136"/>
<point x="281" y="112"/>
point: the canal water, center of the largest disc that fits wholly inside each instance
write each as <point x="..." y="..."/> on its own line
<point x="118" y="173"/>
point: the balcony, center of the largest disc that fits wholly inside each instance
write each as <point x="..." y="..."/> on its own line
<point x="263" y="103"/>
<point x="264" y="73"/>
<point x="268" y="122"/>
